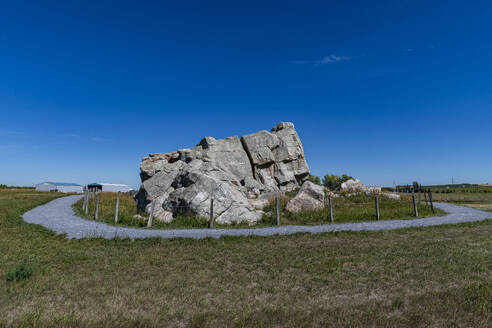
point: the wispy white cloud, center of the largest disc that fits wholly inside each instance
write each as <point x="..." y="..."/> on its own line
<point x="11" y="133"/>
<point x="300" y="62"/>
<point x="97" y="139"/>
<point x="3" y="147"/>
<point x="82" y="138"/>
<point x="71" y="136"/>
<point x="330" y="59"/>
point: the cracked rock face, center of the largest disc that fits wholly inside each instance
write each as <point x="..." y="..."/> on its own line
<point x="232" y="171"/>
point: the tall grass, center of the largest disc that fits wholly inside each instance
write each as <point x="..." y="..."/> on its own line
<point x="346" y="209"/>
<point x="128" y="214"/>
<point x="419" y="277"/>
<point x="355" y="208"/>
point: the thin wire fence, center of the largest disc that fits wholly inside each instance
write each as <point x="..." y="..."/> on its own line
<point x="341" y="208"/>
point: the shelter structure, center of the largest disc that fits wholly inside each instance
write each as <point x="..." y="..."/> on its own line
<point x="60" y="187"/>
<point x="109" y="187"/>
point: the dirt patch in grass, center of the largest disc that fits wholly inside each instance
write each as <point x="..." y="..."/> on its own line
<point x="438" y="276"/>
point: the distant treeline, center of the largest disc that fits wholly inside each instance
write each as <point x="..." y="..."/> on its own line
<point x="2" y="186"/>
<point x="447" y="188"/>
<point x="330" y="181"/>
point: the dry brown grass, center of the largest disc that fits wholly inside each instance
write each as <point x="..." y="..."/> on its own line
<point x="478" y="200"/>
<point x="408" y="278"/>
<point x="463" y="197"/>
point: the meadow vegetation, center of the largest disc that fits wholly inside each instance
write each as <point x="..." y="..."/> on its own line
<point x="356" y="208"/>
<point x="477" y="197"/>
<point x="346" y="209"/>
<point x="421" y="277"/>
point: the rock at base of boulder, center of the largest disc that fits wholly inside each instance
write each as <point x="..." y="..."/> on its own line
<point x="352" y="185"/>
<point x="310" y="197"/>
<point x="391" y="195"/>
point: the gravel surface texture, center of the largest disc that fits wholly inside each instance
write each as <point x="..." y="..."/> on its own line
<point x="58" y="216"/>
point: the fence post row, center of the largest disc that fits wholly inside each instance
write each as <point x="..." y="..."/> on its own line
<point x="415" y="209"/>
<point x="277" y="211"/>
<point x="149" y="222"/>
<point x="330" y="203"/>
<point x="430" y="201"/>
<point x="377" y="208"/>
<point x="116" y="210"/>
<point x="96" y="211"/>
<point x="211" y="221"/>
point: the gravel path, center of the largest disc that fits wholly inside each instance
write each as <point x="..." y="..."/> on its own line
<point x="58" y="216"/>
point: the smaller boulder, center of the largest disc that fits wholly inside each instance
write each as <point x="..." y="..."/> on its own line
<point x="391" y="195"/>
<point x="352" y="185"/>
<point x="310" y="197"/>
<point x="373" y="190"/>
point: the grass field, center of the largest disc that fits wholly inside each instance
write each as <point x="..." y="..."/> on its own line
<point x="480" y="200"/>
<point x="438" y="277"/>
<point x="352" y="209"/>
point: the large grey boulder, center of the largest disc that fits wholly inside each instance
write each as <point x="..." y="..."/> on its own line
<point x="310" y="197"/>
<point x="277" y="157"/>
<point x="232" y="171"/>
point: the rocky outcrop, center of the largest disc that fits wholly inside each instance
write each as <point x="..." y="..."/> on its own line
<point x="232" y="171"/>
<point x="391" y="195"/>
<point x="277" y="157"/>
<point x="310" y="197"/>
<point x="354" y="186"/>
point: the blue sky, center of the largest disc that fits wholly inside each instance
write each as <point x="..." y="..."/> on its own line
<point x="387" y="91"/>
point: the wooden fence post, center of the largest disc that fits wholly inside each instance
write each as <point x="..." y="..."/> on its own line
<point x="96" y="211"/>
<point x="330" y="204"/>
<point x="211" y="221"/>
<point x="149" y="222"/>
<point x="85" y="200"/>
<point x="415" y="209"/>
<point x="277" y="210"/>
<point x="88" y="199"/>
<point x="430" y="201"/>
<point x="377" y="208"/>
<point x="116" y="210"/>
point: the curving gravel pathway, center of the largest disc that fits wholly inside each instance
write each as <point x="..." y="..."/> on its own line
<point x="58" y="216"/>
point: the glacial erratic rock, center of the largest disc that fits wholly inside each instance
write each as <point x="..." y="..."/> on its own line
<point x="277" y="157"/>
<point x="310" y="197"/>
<point x="392" y="195"/>
<point x="232" y="171"/>
<point x="352" y="185"/>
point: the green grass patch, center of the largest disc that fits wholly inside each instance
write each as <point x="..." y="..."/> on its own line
<point x="356" y="208"/>
<point x="420" y="277"/>
<point x="22" y="271"/>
